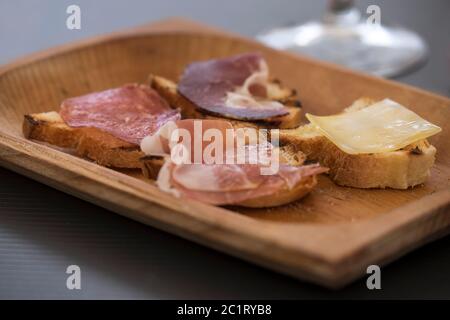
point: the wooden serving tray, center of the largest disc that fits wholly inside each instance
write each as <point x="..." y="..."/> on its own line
<point x="329" y="238"/>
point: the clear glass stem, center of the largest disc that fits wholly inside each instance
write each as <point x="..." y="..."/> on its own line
<point x="335" y="6"/>
<point x="341" y="12"/>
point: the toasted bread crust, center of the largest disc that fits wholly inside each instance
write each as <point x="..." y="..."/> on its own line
<point x="151" y="166"/>
<point x="91" y="143"/>
<point x="48" y="127"/>
<point x="400" y="169"/>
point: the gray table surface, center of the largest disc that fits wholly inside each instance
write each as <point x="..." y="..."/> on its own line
<point x="42" y="230"/>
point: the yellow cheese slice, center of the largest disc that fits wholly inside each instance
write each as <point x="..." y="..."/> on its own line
<point x="381" y="127"/>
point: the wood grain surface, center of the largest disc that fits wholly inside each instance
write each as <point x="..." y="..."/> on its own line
<point x="329" y="238"/>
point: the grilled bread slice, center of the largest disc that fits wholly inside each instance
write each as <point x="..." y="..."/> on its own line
<point x="288" y="97"/>
<point x="92" y="143"/>
<point x="399" y="169"/>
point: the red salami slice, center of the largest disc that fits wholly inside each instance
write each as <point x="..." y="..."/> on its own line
<point x="129" y="113"/>
<point x="232" y="87"/>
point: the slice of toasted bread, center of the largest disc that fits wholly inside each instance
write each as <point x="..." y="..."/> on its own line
<point x="400" y="169"/>
<point x="168" y="90"/>
<point x="91" y="143"/>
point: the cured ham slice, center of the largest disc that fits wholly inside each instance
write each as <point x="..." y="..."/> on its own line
<point x="158" y="143"/>
<point x="222" y="184"/>
<point x="218" y="188"/>
<point x="216" y="177"/>
<point x="130" y="113"/>
<point x="234" y="88"/>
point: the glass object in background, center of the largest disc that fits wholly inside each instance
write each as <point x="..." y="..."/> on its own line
<point x="344" y="37"/>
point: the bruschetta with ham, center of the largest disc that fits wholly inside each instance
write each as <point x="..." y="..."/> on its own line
<point x="228" y="181"/>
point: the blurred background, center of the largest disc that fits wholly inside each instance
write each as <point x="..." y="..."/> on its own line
<point x="31" y="25"/>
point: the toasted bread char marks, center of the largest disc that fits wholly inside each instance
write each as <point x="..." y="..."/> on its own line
<point x="169" y="91"/>
<point x="399" y="169"/>
<point x="130" y="112"/>
<point x="92" y="143"/>
<point x="233" y="87"/>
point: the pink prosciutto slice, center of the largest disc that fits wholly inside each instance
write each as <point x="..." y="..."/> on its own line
<point x="158" y="144"/>
<point x="221" y="184"/>
<point x="231" y="184"/>
<point x="233" y="87"/>
<point x="130" y="112"/>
